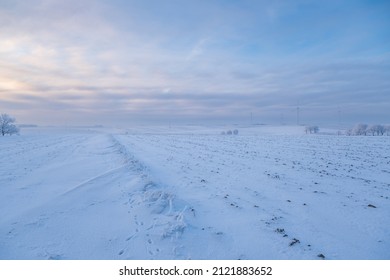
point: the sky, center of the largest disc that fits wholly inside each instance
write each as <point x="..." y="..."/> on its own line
<point x="126" y="62"/>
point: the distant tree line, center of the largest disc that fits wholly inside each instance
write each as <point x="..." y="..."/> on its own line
<point x="312" y="129"/>
<point x="374" y="130"/>
<point x="230" y="132"/>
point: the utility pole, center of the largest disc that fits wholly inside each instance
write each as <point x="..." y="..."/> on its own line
<point x="339" y="116"/>
<point x="298" y="115"/>
<point x="251" y="118"/>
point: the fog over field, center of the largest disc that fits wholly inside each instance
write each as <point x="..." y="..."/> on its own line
<point x="221" y="129"/>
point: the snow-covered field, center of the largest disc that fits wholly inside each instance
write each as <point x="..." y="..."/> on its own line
<point x="192" y="193"/>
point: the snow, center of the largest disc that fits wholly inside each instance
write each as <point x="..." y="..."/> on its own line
<point x="190" y="192"/>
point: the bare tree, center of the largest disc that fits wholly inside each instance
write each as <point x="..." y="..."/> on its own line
<point x="381" y="129"/>
<point x="372" y="129"/>
<point x="360" y="129"/>
<point x="7" y="125"/>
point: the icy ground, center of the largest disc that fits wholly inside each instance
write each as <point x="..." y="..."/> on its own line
<point x="192" y="193"/>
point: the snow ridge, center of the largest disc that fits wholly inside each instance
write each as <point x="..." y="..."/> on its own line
<point x="154" y="203"/>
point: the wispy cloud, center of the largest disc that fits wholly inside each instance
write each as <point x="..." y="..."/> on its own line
<point x="197" y="50"/>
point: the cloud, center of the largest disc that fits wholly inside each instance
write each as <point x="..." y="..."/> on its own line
<point x="215" y="60"/>
<point x="197" y="50"/>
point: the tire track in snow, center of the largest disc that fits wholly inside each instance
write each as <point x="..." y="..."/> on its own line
<point x="95" y="179"/>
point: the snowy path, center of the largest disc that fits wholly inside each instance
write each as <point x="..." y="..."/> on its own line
<point x="158" y="195"/>
<point x="65" y="197"/>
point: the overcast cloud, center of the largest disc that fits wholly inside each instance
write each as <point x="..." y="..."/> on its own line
<point x="204" y="61"/>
